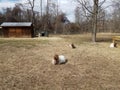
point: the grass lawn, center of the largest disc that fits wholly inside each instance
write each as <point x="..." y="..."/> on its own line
<point x="25" y="64"/>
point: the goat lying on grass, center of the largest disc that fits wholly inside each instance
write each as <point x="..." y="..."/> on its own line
<point x="59" y="59"/>
<point x="72" y="46"/>
<point x="112" y="45"/>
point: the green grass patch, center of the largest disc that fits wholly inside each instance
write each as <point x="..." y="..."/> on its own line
<point x="28" y="43"/>
<point x="77" y="39"/>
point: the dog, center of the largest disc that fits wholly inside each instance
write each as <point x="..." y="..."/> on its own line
<point x="59" y="59"/>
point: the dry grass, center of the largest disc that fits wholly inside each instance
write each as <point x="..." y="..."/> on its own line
<point x="25" y="64"/>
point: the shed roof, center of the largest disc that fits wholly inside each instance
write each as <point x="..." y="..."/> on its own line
<point x="16" y="24"/>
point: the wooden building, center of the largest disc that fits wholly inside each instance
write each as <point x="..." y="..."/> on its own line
<point x="17" y="29"/>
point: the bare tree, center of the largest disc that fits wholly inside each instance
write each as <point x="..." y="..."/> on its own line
<point x="92" y="11"/>
<point x="116" y="16"/>
<point x="95" y="14"/>
<point x="41" y="7"/>
<point x="32" y="4"/>
<point x="17" y="13"/>
<point x="77" y="15"/>
<point x="54" y="11"/>
<point x="83" y="19"/>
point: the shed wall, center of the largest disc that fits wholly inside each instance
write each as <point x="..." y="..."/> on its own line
<point x="17" y="31"/>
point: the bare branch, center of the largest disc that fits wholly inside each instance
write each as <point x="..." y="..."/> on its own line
<point x="84" y="5"/>
<point x="101" y="3"/>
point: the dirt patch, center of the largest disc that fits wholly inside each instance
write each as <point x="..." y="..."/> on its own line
<point x="26" y="64"/>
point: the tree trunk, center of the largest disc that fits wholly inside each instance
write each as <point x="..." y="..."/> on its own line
<point x="41" y="7"/>
<point x="32" y="3"/>
<point x="95" y="14"/>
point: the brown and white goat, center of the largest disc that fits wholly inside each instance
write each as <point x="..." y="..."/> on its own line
<point x="59" y="59"/>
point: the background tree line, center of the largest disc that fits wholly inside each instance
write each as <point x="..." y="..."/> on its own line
<point x="108" y="16"/>
<point x="52" y="19"/>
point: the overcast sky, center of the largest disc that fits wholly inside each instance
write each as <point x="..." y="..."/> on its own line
<point x="67" y="6"/>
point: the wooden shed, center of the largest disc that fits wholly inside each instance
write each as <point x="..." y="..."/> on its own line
<point x="17" y="29"/>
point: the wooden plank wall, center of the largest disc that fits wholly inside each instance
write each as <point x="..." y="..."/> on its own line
<point x="17" y="31"/>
